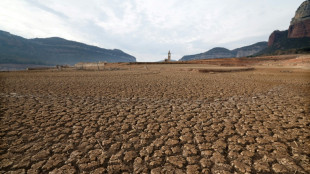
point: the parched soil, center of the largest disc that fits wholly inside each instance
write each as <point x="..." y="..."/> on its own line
<point x="155" y="119"/>
<point x="208" y="70"/>
<point x="294" y="60"/>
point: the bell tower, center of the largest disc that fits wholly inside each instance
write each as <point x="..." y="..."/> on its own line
<point x="169" y="56"/>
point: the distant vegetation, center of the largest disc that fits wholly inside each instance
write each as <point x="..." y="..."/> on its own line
<point x="53" y="51"/>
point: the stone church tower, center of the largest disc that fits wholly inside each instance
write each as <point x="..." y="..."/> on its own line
<point x="169" y="56"/>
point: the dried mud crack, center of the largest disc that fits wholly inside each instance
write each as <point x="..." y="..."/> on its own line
<point x="158" y="120"/>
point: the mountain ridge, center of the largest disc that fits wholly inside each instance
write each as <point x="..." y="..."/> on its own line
<point x="221" y="52"/>
<point x="54" y="50"/>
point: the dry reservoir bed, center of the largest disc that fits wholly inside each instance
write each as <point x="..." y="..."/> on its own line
<point x="158" y="119"/>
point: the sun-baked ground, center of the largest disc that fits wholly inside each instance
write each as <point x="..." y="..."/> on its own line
<point x="156" y="118"/>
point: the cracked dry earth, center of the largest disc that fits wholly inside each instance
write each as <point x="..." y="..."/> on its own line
<point x="149" y="121"/>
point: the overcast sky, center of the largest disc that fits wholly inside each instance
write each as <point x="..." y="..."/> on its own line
<point x="148" y="29"/>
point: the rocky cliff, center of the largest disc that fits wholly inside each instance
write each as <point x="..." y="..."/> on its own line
<point x="299" y="30"/>
<point x="276" y="36"/>
<point x="250" y="50"/>
<point x="219" y="52"/>
<point x="294" y="40"/>
<point x="53" y="51"/>
<point x="300" y="24"/>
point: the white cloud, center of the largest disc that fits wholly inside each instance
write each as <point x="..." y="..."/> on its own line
<point x="128" y="22"/>
<point x="148" y="29"/>
<point x="30" y="21"/>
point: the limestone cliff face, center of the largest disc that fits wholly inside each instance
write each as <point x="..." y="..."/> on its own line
<point x="298" y="29"/>
<point x="276" y="36"/>
<point x="300" y="24"/>
<point x="302" y="13"/>
<point x="245" y="53"/>
<point x="250" y="50"/>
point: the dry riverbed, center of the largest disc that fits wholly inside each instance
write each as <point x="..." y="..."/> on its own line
<point x="155" y="119"/>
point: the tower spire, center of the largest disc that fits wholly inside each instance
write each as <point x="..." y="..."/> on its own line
<point x="169" y="56"/>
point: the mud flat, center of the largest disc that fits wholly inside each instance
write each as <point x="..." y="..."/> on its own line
<point x="155" y="119"/>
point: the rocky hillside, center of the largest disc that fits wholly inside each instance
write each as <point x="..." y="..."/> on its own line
<point x="300" y="24"/>
<point x="226" y="53"/>
<point x="250" y="50"/>
<point x="53" y="51"/>
<point x="213" y="53"/>
<point x="294" y="40"/>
